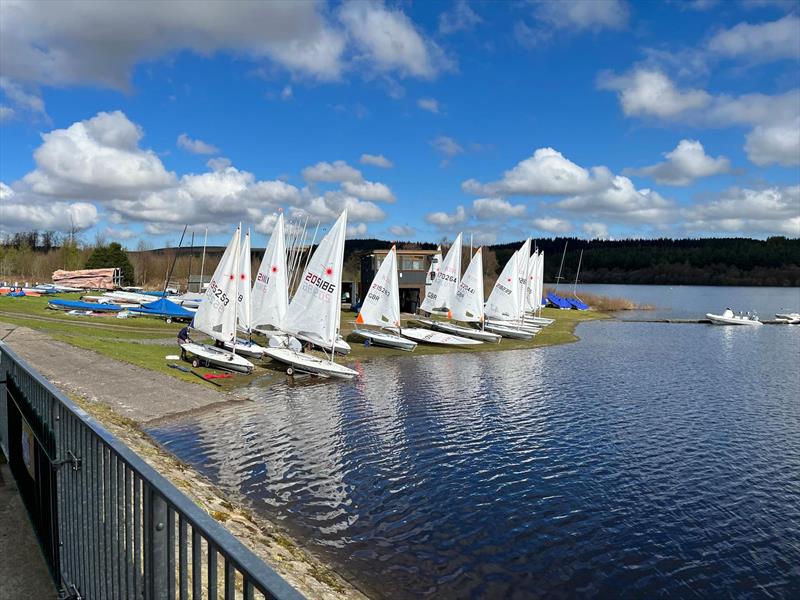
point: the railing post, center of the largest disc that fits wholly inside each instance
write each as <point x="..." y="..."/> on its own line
<point x="156" y="562"/>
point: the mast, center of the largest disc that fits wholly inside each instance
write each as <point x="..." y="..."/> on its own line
<point x="174" y="259"/>
<point x="189" y="271"/>
<point x="314" y="239"/>
<point x="563" y="255"/>
<point x="575" y="285"/>
<point x="236" y="269"/>
<point x="203" y="263"/>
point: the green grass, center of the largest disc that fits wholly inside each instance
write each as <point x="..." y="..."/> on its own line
<point x="133" y="340"/>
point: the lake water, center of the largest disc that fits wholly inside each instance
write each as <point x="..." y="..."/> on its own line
<point x="648" y="460"/>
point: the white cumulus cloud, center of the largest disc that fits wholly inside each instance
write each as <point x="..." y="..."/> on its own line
<point x="460" y="17"/>
<point x="684" y="165"/>
<point x="595" y="231"/>
<point x="196" y="146"/>
<point x="552" y="225"/>
<point x="369" y="190"/>
<point x="650" y="93"/>
<point x="547" y="172"/>
<point x="390" y="41"/>
<point x="759" y="42"/>
<point x="376" y="160"/>
<point x="336" y="171"/>
<point x="497" y="208"/>
<point x="445" y="220"/>
<point x="402" y="231"/>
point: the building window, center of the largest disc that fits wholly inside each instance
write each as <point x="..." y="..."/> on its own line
<point x="411" y="263"/>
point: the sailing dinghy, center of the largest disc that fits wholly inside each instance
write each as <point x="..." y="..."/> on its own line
<point x="270" y="295"/>
<point x="468" y="305"/>
<point x="381" y="308"/>
<point x="504" y="307"/>
<point x="216" y="315"/>
<point x="315" y="309"/>
<point x="247" y="347"/>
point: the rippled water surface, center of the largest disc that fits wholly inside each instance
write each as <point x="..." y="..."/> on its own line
<point x="647" y="460"/>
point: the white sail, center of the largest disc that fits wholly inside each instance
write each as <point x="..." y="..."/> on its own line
<point x="245" y="313"/>
<point x="270" y="297"/>
<point x="468" y="303"/>
<point x="216" y="315"/>
<point x="381" y="305"/>
<point x="502" y="304"/>
<point x="540" y="281"/>
<point x="530" y="292"/>
<point x="436" y="262"/>
<point x="522" y="273"/>
<point x="315" y="308"/>
<point x="440" y="294"/>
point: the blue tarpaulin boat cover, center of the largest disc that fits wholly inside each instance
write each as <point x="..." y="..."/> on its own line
<point x="77" y="305"/>
<point x="163" y="308"/>
<point x="558" y="301"/>
<point x="579" y="304"/>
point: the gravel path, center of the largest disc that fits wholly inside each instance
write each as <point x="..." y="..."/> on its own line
<point x="133" y="392"/>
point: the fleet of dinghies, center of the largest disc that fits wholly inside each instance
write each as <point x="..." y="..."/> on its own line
<point x="235" y="306"/>
<point x="312" y="316"/>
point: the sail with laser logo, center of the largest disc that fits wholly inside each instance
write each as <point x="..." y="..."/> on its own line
<point x="245" y="313"/>
<point x="216" y="315"/>
<point x="314" y="311"/>
<point x="503" y="304"/>
<point x="381" y="305"/>
<point x="441" y="293"/>
<point x="270" y="296"/>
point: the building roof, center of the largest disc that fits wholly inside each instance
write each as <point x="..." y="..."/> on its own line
<point x="405" y="252"/>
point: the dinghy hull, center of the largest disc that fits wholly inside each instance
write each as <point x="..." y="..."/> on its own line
<point x="210" y="356"/>
<point x="389" y="340"/>
<point x="467" y="332"/>
<point x="428" y="336"/>
<point x="305" y="363"/>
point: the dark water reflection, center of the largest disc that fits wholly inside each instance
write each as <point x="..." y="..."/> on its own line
<point x="647" y="460"/>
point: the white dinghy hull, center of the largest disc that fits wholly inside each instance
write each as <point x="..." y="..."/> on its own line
<point x="210" y="356"/>
<point x="246" y="348"/>
<point x="428" y="336"/>
<point x="383" y="338"/>
<point x="467" y="332"/>
<point x="508" y="331"/>
<point x="306" y="363"/>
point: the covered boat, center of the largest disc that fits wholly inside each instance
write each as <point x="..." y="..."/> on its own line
<point x="59" y="304"/>
<point x="163" y="309"/>
<point x="428" y="336"/>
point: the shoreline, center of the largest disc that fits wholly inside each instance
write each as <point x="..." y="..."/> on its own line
<point x="144" y="342"/>
<point x="129" y="399"/>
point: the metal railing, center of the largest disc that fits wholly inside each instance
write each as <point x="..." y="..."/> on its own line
<point x="116" y="528"/>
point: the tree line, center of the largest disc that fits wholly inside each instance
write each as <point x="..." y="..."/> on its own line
<point x="704" y="261"/>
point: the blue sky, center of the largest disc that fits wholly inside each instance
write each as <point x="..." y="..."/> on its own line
<point x="503" y="120"/>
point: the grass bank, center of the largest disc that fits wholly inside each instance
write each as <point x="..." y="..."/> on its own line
<point x="146" y="342"/>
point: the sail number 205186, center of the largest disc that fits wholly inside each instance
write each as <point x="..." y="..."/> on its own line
<point x="317" y="281"/>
